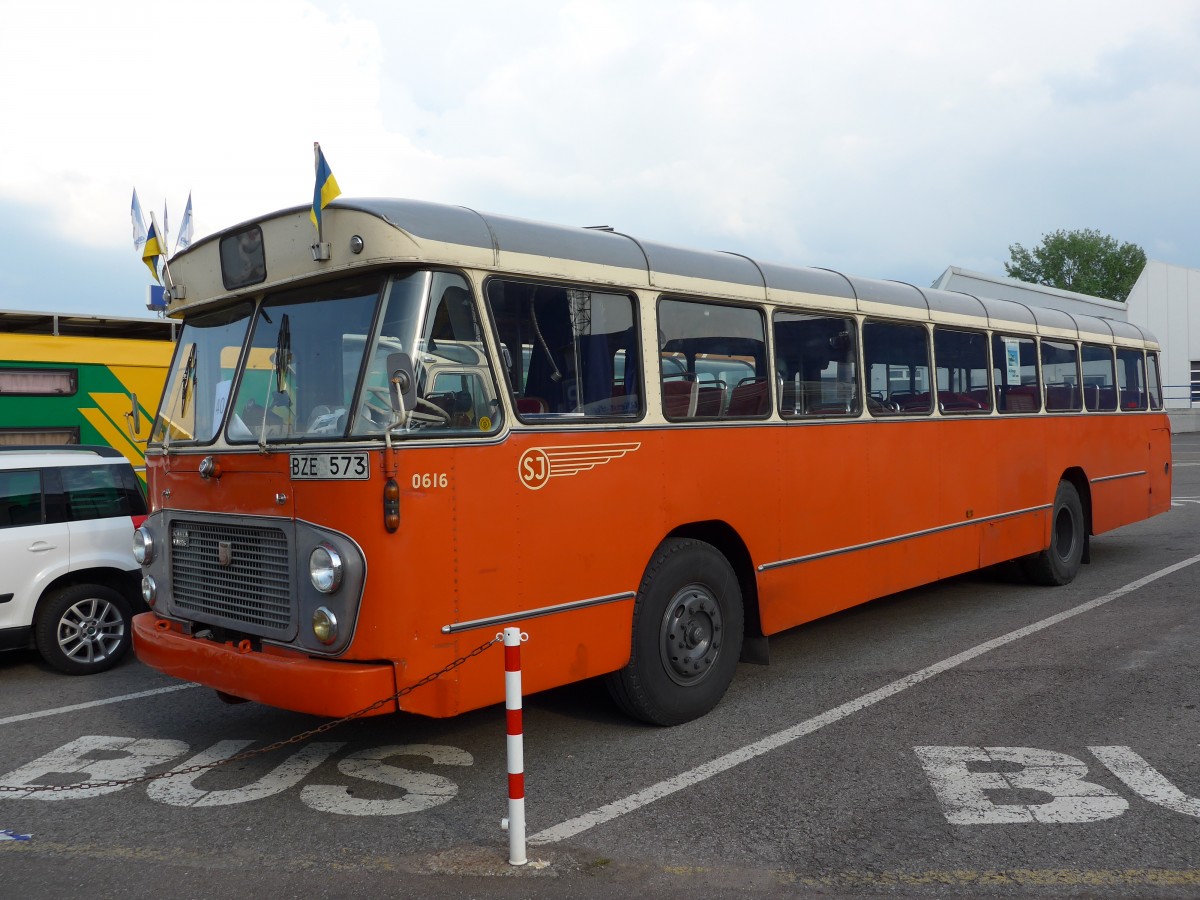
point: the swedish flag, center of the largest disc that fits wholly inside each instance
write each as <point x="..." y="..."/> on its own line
<point x="152" y="250"/>
<point x="325" y="189"/>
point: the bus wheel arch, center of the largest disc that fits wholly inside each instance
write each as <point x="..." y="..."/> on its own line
<point x="1059" y="562"/>
<point x="729" y="544"/>
<point x="1078" y="478"/>
<point x="686" y="635"/>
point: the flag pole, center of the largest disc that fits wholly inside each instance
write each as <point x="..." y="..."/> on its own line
<point x="316" y="174"/>
<point x="168" y="281"/>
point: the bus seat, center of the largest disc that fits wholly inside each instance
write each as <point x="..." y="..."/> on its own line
<point x="1020" y="399"/>
<point x="1061" y="397"/>
<point x="912" y="402"/>
<point x="749" y="398"/>
<point x="679" y="398"/>
<point x="952" y="401"/>
<point x="531" y="405"/>
<point x="710" y="398"/>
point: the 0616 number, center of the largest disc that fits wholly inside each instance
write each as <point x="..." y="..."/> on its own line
<point x="430" y="480"/>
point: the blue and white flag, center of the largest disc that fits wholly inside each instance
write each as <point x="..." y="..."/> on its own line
<point x="139" y="223"/>
<point x="185" y="227"/>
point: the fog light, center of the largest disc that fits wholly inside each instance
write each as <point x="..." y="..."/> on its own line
<point x="324" y="625"/>
<point x="325" y="569"/>
<point x="149" y="590"/>
<point x="143" y="546"/>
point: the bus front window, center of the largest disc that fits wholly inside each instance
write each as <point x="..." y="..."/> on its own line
<point x="198" y="386"/>
<point x="297" y="382"/>
<point x="430" y="317"/>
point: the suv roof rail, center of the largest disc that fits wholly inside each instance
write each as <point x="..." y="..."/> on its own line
<point x="97" y="449"/>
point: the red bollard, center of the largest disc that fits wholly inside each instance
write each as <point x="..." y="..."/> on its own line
<point x="515" y="823"/>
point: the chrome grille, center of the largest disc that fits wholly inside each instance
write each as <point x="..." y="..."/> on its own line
<point x="237" y="574"/>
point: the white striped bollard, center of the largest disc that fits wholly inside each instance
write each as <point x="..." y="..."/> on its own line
<point x="515" y="823"/>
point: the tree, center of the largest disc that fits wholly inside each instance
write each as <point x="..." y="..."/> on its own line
<point x="1083" y="260"/>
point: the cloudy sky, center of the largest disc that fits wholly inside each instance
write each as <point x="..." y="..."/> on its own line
<point x="884" y="139"/>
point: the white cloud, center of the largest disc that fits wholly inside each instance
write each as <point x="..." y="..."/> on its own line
<point x="888" y="139"/>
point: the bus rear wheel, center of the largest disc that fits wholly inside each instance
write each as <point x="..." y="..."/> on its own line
<point x="687" y="635"/>
<point x="1059" y="563"/>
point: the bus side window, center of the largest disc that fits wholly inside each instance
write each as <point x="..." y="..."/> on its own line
<point x="816" y="364"/>
<point x="1060" y="374"/>
<point x="580" y="351"/>
<point x="1015" y="373"/>
<point x="1155" y="382"/>
<point x="962" y="371"/>
<point x="1099" y="378"/>
<point x="1131" y="378"/>
<point x="896" y="363"/>
<point x="713" y="360"/>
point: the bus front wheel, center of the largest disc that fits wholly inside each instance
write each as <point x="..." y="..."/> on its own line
<point x="687" y="635"/>
<point x="1059" y="563"/>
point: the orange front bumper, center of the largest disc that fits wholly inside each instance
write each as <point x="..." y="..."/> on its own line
<point x="273" y="676"/>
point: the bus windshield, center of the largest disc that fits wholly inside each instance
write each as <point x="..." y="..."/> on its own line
<point x="317" y="365"/>
<point x="201" y="373"/>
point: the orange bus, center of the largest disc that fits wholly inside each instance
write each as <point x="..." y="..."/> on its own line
<point x="373" y="454"/>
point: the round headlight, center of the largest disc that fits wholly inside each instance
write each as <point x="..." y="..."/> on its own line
<point x="143" y="546"/>
<point x="324" y="625"/>
<point x="149" y="590"/>
<point x="325" y="569"/>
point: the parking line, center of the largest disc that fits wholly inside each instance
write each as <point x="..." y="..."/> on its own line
<point x="636" y="801"/>
<point x="24" y="717"/>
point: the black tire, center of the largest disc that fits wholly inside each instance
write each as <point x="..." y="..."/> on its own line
<point x="83" y="629"/>
<point x="1059" y="563"/>
<point x="687" y="635"/>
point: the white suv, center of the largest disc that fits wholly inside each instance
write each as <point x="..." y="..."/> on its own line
<point x="68" y="580"/>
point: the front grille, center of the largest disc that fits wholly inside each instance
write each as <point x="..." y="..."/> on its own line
<point x="250" y="589"/>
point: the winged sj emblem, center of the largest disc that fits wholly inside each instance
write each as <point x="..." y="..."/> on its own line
<point x="538" y="465"/>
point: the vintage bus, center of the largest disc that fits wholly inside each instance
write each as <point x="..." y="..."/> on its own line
<point x="72" y="379"/>
<point x="371" y="455"/>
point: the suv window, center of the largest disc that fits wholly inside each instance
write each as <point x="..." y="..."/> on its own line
<point x="20" y="498"/>
<point x="100" y="492"/>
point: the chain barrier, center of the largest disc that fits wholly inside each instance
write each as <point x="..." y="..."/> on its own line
<point x="261" y="751"/>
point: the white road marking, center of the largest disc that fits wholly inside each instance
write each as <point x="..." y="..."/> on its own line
<point x="25" y="717"/>
<point x="1146" y="780"/>
<point x="962" y="786"/>
<point x="669" y="786"/>
<point x="181" y="790"/>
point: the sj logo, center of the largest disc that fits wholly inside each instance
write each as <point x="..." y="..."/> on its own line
<point x="538" y="465"/>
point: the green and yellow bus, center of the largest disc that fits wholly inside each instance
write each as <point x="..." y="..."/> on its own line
<point x="74" y="379"/>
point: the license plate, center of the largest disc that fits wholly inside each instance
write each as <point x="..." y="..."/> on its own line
<point x="330" y="467"/>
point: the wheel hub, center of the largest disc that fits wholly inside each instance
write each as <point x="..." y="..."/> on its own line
<point x="690" y="638"/>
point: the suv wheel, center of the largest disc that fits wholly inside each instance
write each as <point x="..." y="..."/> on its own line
<point x="83" y="629"/>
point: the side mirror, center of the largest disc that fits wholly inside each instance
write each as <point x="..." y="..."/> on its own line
<point x="133" y="419"/>
<point x="401" y="383"/>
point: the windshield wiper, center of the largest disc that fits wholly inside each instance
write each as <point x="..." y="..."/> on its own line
<point x="283" y="352"/>
<point x="185" y="386"/>
<point x="283" y="359"/>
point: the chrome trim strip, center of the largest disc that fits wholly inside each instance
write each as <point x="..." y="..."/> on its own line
<point x="1122" y="475"/>
<point x="535" y="613"/>
<point x="900" y="537"/>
